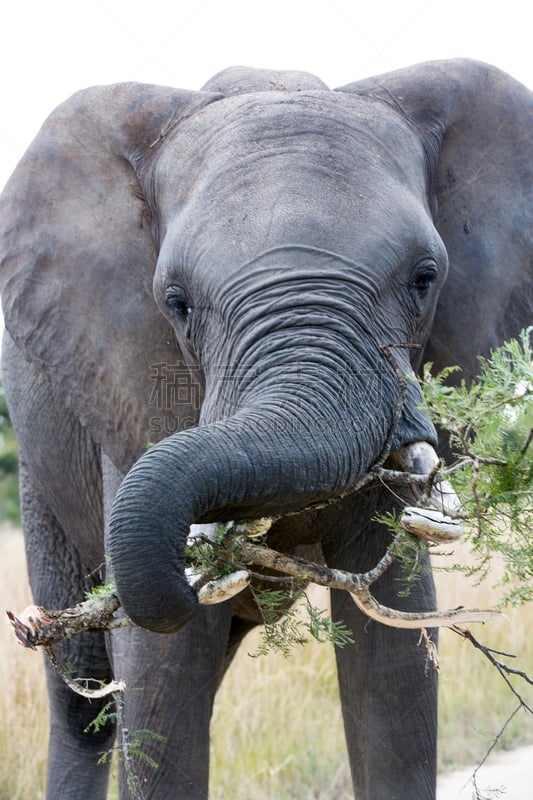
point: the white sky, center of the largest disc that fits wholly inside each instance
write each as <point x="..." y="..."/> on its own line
<point x="51" y="48"/>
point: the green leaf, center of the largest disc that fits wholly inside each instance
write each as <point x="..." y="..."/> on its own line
<point x="490" y="422"/>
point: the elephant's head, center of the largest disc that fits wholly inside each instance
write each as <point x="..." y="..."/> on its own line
<point x="292" y="232"/>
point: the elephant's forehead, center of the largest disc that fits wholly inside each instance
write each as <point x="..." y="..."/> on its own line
<point x="253" y="149"/>
<point x="314" y="124"/>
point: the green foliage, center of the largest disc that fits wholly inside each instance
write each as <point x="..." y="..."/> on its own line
<point x="285" y="628"/>
<point x="107" y="715"/>
<point x="408" y="549"/>
<point x="490" y="423"/>
<point x="102" y="591"/>
<point x="9" y="496"/>
<point x="136" y="741"/>
<point x="204" y="555"/>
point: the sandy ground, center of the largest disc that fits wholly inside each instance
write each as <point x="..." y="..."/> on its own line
<point x="512" y="771"/>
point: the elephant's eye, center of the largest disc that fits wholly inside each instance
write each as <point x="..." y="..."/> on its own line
<point x="177" y="302"/>
<point x="424" y="277"/>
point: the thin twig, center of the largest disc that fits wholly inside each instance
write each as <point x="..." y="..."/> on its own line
<point x="133" y="781"/>
<point x="430" y="482"/>
<point x="376" y="472"/>
<point x="76" y="684"/>
<point x="495" y="742"/>
<point x="525" y="446"/>
<point x="400" y="399"/>
<point x="503" y="669"/>
<point x="475" y="493"/>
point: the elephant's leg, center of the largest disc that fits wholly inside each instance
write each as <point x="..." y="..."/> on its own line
<point x="61" y="503"/>
<point x="171" y="683"/>
<point x="388" y="690"/>
<point x="58" y="577"/>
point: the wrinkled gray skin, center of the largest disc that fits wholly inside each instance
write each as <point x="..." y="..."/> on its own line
<point x="289" y="232"/>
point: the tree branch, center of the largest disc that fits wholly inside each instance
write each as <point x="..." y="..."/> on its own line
<point x="43" y="627"/>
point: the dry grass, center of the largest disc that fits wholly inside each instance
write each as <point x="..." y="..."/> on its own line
<point x="23" y="705"/>
<point x="283" y="734"/>
<point x="277" y="729"/>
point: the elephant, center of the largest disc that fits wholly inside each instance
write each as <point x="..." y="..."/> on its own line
<point x="198" y="290"/>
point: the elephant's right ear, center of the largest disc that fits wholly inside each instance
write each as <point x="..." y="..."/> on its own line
<point x="476" y="123"/>
<point x="77" y="256"/>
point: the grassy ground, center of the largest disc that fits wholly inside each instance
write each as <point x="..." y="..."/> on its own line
<point x="23" y="706"/>
<point x="277" y="729"/>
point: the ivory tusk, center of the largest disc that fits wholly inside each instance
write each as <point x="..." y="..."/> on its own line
<point x="221" y="589"/>
<point x="224" y="588"/>
<point x="208" y="531"/>
<point x="430" y="524"/>
<point x="420" y="458"/>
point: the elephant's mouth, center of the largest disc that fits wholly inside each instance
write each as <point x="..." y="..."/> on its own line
<point x="433" y="518"/>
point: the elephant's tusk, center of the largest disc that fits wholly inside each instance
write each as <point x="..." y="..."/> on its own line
<point x="443" y="498"/>
<point x="436" y="518"/>
<point x="206" y="531"/>
<point x="221" y="589"/>
<point x="224" y="588"/>
<point x="430" y="524"/>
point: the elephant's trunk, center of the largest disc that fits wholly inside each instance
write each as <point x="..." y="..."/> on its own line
<point x="268" y="458"/>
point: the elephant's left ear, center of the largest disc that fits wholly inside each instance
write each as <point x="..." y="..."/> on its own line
<point x="476" y="124"/>
<point x="77" y="257"/>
